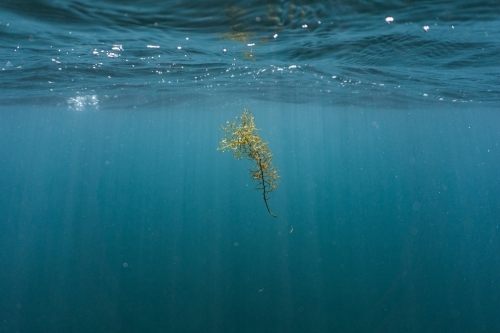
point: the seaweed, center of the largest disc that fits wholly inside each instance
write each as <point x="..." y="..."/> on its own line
<point x="245" y="142"/>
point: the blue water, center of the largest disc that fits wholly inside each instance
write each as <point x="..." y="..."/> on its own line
<point x="118" y="214"/>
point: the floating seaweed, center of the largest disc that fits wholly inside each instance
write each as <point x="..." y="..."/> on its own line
<point x="243" y="140"/>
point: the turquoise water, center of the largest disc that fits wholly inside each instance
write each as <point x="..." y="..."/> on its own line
<point x="120" y="215"/>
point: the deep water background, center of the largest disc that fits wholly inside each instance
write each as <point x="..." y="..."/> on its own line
<point x="118" y="214"/>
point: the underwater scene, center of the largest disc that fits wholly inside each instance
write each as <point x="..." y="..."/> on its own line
<point x="249" y="166"/>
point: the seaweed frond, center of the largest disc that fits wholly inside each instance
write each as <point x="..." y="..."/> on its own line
<point x="244" y="141"/>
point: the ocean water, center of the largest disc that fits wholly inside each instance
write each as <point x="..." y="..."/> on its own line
<point x="119" y="214"/>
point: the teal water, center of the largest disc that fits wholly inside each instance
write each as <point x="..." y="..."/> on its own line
<point x="394" y="218"/>
<point x="120" y="215"/>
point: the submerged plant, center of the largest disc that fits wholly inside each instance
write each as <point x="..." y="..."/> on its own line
<point x="243" y="140"/>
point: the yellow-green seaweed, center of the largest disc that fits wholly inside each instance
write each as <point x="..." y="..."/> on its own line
<point x="243" y="140"/>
